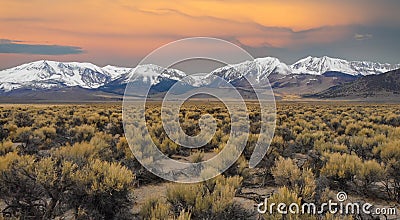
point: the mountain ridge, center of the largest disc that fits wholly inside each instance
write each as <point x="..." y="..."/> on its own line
<point x="320" y="65"/>
<point x="385" y="84"/>
<point x="308" y="75"/>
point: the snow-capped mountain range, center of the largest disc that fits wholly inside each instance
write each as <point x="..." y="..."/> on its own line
<point x="50" y="74"/>
<point x="320" y="65"/>
<point x="255" y="70"/>
<point x="44" y="75"/>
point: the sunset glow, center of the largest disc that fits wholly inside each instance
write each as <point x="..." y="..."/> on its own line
<point x="122" y="32"/>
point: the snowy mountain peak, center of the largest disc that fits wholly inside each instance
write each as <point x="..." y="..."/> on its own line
<point x="320" y="65"/>
<point x="150" y="73"/>
<point x="273" y="65"/>
<point x="255" y="70"/>
<point x="44" y="74"/>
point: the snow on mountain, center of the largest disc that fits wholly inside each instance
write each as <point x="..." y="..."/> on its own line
<point x="197" y="79"/>
<point x="145" y="76"/>
<point x="115" y="71"/>
<point x="153" y="74"/>
<point x="150" y="74"/>
<point x="371" y="68"/>
<point x="255" y="71"/>
<point x="50" y="74"/>
<point x="320" y="65"/>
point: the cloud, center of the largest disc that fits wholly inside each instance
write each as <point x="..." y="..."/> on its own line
<point x="362" y="36"/>
<point x="248" y="32"/>
<point x="13" y="46"/>
<point x="381" y="46"/>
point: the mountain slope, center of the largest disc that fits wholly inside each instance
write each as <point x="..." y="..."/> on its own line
<point x="50" y="74"/>
<point x="256" y="71"/>
<point x="143" y="77"/>
<point x="318" y="66"/>
<point x="374" y="85"/>
<point x="68" y="94"/>
<point x="299" y="84"/>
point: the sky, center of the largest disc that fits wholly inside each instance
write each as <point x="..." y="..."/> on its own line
<point x="122" y="32"/>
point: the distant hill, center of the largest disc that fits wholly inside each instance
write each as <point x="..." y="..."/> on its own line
<point x="307" y="83"/>
<point x="369" y="86"/>
<point x="70" y="94"/>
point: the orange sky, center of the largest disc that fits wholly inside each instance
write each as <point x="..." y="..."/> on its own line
<point x="122" y="30"/>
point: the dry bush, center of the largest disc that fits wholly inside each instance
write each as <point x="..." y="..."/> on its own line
<point x="341" y="167"/>
<point x="349" y="144"/>
<point x="288" y="174"/>
<point x="212" y="199"/>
